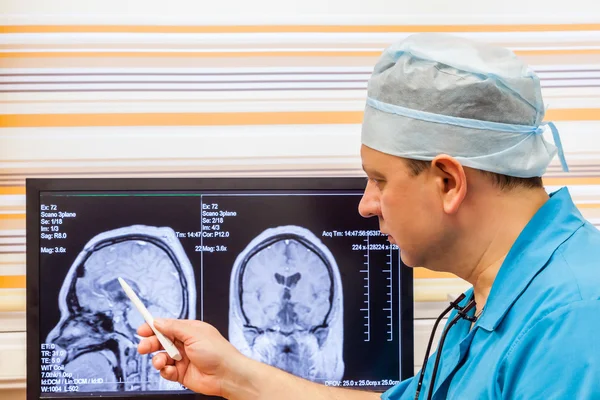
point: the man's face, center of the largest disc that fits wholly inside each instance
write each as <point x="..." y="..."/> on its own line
<point x="408" y="207"/>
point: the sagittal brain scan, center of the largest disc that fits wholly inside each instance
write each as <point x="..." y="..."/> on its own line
<point x="98" y="323"/>
<point x="286" y="304"/>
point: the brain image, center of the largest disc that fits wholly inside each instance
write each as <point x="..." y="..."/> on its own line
<point x="98" y="322"/>
<point x="286" y="304"/>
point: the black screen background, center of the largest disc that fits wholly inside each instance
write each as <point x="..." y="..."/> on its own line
<point x="377" y="359"/>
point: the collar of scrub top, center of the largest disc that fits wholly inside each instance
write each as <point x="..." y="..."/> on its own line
<point x="472" y="124"/>
<point x="550" y="227"/>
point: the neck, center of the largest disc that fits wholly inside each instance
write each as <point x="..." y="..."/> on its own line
<point x="485" y="247"/>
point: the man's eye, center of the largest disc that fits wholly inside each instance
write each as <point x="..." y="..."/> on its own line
<point x="377" y="182"/>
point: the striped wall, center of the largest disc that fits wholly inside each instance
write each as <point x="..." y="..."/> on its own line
<point x="110" y="100"/>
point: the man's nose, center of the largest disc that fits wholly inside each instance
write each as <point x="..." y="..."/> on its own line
<point x="369" y="204"/>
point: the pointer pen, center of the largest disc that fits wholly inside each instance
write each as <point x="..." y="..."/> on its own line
<point x="172" y="351"/>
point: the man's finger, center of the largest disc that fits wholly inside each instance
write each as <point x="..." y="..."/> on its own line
<point x="170" y="361"/>
<point x="145" y="330"/>
<point x="179" y="329"/>
<point x="160" y="360"/>
<point x="149" y="345"/>
<point x="169" y="373"/>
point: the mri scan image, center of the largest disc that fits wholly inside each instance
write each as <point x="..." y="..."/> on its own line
<point x="286" y="304"/>
<point x="98" y="322"/>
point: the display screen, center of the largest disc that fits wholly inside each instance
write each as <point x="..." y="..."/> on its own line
<point x="296" y="279"/>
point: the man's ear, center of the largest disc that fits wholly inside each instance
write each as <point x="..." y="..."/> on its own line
<point x="451" y="181"/>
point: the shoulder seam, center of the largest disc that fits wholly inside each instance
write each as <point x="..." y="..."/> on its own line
<point x="561" y="253"/>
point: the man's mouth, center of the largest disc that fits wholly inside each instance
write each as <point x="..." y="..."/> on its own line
<point x="389" y="237"/>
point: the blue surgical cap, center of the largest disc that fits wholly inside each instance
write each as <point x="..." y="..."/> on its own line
<point x="437" y="94"/>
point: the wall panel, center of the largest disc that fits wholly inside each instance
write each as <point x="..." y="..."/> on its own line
<point x="95" y="93"/>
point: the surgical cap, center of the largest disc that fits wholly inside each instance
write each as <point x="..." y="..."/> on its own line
<point x="437" y="94"/>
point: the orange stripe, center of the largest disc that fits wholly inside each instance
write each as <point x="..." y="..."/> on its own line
<point x="239" y="54"/>
<point x="294" y="28"/>
<point x="573" y="114"/>
<point x="587" y="205"/>
<point x="5" y="190"/>
<point x="550" y="52"/>
<point x="571" y="181"/>
<point x="207" y="54"/>
<point x="12" y="282"/>
<point x="548" y="181"/>
<point x="423" y="273"/>
<point x="227" y="119"/>
<point x="182" y="119"/>
<point x="12" y="216"/>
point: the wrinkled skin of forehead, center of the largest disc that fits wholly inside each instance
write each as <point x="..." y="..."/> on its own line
<point x="286" y="287"/>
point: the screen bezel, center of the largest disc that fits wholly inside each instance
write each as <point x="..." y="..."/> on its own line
<point x="34" y="187"/>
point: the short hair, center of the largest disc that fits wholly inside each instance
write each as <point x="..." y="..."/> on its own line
<point x="503" y="182"/>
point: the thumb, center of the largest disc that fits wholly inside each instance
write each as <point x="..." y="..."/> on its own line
<point x="178" y="329"/>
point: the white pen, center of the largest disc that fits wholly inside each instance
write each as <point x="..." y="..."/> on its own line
<point x="172" y="351"/>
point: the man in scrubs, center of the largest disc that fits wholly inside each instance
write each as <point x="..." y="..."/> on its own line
<point x="453" y="146"/>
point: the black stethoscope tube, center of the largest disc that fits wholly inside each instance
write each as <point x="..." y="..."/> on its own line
<point x="462" y="314"/>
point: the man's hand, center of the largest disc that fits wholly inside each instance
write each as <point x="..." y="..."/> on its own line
<point x="212" y="366"/>
<point x="207" y="357"/>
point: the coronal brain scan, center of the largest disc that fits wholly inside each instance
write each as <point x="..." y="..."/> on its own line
<point x="98" y="323"/>
<point x="286" y="304"/>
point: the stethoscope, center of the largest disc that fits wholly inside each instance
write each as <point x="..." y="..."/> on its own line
<point x="461" y="314"/>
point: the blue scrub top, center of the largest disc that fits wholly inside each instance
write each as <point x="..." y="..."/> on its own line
<point x="539" y="334"/>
